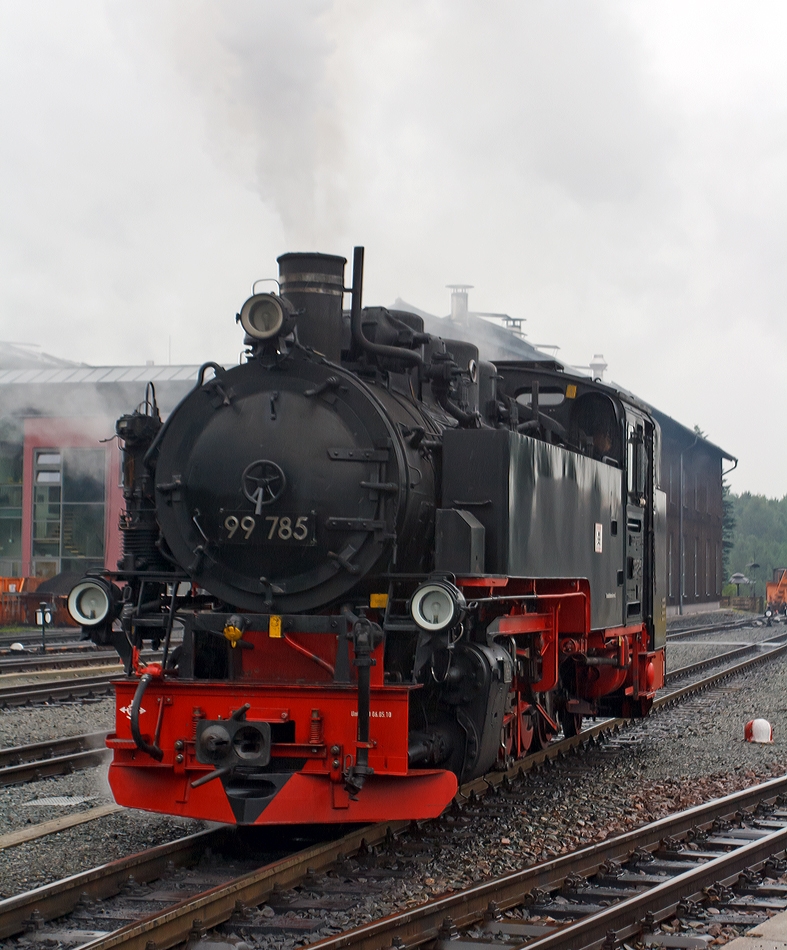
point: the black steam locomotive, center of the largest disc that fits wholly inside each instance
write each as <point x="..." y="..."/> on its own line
<point x="390" y="566"/>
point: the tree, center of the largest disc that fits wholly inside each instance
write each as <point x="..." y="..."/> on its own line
<point x="759" y="532"/>
<point x="728" y="523"/>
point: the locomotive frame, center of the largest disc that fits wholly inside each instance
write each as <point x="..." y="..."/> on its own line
<point x="395" y="566"/>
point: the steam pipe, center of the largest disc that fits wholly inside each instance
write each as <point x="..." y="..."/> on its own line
<point x="462" y="417"/>
<point x="152" y="750"/>
<point x="376" y="349"/>
<point x="363" y="637"/>
<point x="681" y="539"/>
<point x="218" y="370"/>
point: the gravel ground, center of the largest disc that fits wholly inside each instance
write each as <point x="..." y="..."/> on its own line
<point x="677" y="758"/>
<point x="707" y="618"/>
<point x="20" y="726"/>
<point x="681" y="652"/>
<point x="77" y="849"/>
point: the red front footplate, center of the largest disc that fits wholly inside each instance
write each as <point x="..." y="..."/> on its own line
<point x="314" y="732"/>
<point x="303" y="799"/>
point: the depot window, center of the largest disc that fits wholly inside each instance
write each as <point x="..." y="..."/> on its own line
<point x="11" y="451"/>
<point x="68" y="510"/>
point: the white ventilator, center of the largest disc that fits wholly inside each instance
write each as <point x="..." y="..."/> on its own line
<point x="758" y="730"/>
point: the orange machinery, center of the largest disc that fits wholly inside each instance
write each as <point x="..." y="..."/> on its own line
<point x="776" y="591"/>
<point x="14" y="599"/>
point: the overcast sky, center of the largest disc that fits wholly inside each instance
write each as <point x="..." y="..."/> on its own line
<point x="613" y="172"/>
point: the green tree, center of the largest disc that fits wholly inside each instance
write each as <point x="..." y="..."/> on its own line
<point x="728" y="523"/>
<point x="758" y="534"/>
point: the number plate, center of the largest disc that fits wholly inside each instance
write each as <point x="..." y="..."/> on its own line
<point x="242" y="527"/>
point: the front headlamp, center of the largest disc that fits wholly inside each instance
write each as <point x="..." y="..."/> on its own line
<point x="91" y="601"/>
<point x="437" y="606"/>
<point x="266" y="315"/>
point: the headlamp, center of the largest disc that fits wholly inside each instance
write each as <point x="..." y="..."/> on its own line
<point x="437" y="605"/>
<point x="266" y="315"/>
<point x="91" y="601"/>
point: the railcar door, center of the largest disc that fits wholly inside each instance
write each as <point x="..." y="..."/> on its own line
<point x="639" y="517"/>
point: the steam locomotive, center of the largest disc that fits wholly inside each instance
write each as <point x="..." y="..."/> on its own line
<point x="390" y="566"/>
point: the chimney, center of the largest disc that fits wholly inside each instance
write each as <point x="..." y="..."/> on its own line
<point x="597" y="366"/>
<point x="459" y="302"/>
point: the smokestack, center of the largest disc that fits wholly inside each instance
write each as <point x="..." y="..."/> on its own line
<point x="314" y="284"/>
<point x="459" y="302"/>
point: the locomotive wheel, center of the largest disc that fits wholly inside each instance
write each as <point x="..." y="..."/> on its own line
<point x="571" y="723"/>
<point x="542" y="734"/>
<point x="527" y="732"/>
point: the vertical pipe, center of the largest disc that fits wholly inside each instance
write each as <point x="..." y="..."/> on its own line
<point x="682" y="578"/>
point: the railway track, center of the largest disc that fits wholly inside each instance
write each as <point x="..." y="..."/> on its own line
<point x="32" y="636"/>
<point x="216" y="904"/>
<point x="620" y="886"/>
<point x="28" y="911"/>
<point x="66" y="658"/>
<point x="759" y="646"/>
<point x="680" y="633"/>
<point x="39" y="760"/>
<point x="58" y="646"/>
<point x="62" y="756"/>
<point x="63" y="690"/>
<point x="725" y="853"/>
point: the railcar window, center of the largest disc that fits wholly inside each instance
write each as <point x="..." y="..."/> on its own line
<point x="642" y="461"/>
<point x="595" y="429"/>
<point x="546" y="397"/>
<point x="636" y="461"/>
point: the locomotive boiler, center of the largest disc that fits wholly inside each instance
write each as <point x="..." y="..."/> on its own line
<point x="389" y="565"/>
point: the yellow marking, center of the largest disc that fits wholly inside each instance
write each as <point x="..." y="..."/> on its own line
<point x="380" y="601"/>
<point x="571" y="391"/>
<point x="233" y="634"/>
<point x="274" y="626"/>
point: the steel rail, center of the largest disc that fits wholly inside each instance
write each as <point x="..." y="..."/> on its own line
<point x="625" y="919"/>
<point x="48" y="768"/>
<point x="727" y="655"/>
<point x="53" y="645"/>
<point x="64" y="659"/>
<point x="61" y="897"/>
<point x="49" y="748"/>
<point x="58" y="661"/>
<point x="57" y="690"/>
<point x="709" y="661"/>
<point x="671" y="695"/>
<point x="28" y="632"/>
<point x="711" y="628"/>
<point x="420" y="924"/>
<point x="215" y="906"/>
